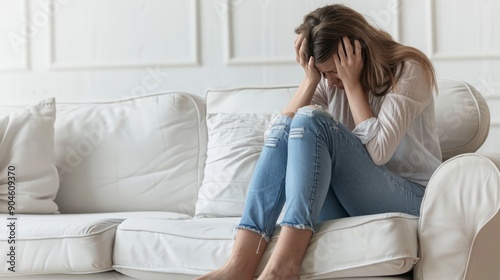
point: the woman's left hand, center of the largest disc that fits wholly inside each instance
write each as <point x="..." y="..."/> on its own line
<point x="349" y="63"/>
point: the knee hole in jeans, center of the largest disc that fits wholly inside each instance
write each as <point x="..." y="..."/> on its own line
<point x="296" y="132"/>
<point x="271" y="142"/>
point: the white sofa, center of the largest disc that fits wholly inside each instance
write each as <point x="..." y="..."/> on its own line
<point x="151" y="188"/>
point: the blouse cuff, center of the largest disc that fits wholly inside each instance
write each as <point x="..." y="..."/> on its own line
<point x="367" y="129"/>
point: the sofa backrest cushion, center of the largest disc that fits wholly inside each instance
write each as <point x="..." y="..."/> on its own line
<point x="141" y="154"/>
<point x="462" y="117"/>
<point x="236" y="119"/>
<point x="29" y="179"/>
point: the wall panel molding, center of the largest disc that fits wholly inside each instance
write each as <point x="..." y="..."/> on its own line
<point x="434" y="54"/>
<point x="230" y="59"/>
<point x="25" y="63"/>
<point x="194" y="35"/>
<point x="398" y="20"/>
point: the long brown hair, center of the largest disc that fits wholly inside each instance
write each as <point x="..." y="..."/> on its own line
<point x="382" y="56"/>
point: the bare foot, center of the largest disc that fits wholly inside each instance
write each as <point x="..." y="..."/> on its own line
<point x="243" y="261"/>
<point x="286" y="260"/>
<point x="223" y="274"/>
<point x="274" y="276"/>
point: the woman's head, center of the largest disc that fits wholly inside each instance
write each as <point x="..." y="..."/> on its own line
<point x="382" y="56"/>
<point x="325" y="27"/>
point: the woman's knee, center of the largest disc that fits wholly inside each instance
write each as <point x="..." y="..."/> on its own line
<point x="310" y="114"/>
<point x="278" y="130"/>
<point x="313" y="120"/>
<point x="309" y="110"/>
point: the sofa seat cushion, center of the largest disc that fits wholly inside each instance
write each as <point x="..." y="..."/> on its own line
<point x="383" y="244"/>
<point x="108" y="275"/>
<point x="65" y="243"/>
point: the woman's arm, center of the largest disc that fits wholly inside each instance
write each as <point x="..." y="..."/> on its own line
<point x="349" y="65"/>
<point x="399" y="108"/>
<point x="308" y="86"/>
<point x="302" y="97"/>
<point x="383" y="133"/>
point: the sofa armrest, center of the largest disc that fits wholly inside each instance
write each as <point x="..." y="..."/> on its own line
<point x="460" y="220"/>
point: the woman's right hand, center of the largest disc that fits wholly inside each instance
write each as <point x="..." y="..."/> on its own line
<point x="307" y="63"/>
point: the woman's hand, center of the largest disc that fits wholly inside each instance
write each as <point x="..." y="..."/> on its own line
<point x="349" y="66"/>
<point x="349" y="63"/>
<point x="307" y="63"/>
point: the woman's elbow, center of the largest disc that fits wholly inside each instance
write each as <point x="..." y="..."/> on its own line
<point x="379" y="158"/>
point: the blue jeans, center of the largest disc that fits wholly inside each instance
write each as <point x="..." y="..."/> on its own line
<point x="321" y="171"/>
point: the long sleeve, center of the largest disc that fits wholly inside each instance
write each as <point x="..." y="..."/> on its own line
<point x="402" y="135"/>
<point x="383" y="133"/>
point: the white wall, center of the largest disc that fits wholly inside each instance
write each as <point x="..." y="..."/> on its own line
<point x="101" y="50"/>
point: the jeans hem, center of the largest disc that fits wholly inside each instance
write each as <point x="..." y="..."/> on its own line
<point x="298" y="226"/>
<point x="249" y="228"/>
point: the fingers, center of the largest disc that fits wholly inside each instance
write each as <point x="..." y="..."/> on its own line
<point x="349" y="54"/>
<point x="303" y="53"/>
<point x="357" y="48"/>
<point x="311" y="62"/>
<point x="336" y="58"/>
<point x="348" y="46"/>
<point x="341" y="54"/>
<point x="301" y="49"/>
<point x="298" y="43"/>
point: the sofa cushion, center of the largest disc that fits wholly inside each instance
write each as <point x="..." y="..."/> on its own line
<point x="28" y="180"/>
<point x="237" y="119"/>
<point x="234" y="145"/>
<point x="108" y="275"/>
<point x="141" y="154"/>
<point x="66" y="243"/>
<point x="249" y="99"/>
<point x="462" y="118"/>
<point x="382" y="244"/>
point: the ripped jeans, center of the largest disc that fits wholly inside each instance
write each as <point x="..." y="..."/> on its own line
<point x="321" y="171"/>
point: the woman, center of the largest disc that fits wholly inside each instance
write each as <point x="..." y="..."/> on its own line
<point x="369" y="147"/>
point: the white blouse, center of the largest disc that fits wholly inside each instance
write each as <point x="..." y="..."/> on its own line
<point x="402" y="133"/>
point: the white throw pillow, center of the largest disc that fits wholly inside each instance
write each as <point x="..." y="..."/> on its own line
<point x="27" y="160"/>
<point x="234" y="145"/>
